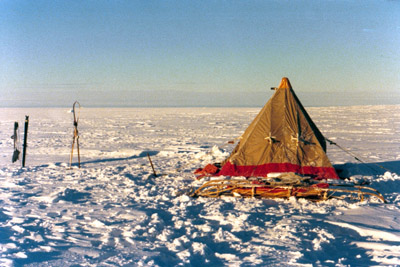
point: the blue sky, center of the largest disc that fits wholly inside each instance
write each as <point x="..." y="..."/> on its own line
<point x="198" y="53"/>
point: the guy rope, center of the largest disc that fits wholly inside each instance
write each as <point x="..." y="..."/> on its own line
<point x="76" y="135"/>
<point x="355" y="156"/>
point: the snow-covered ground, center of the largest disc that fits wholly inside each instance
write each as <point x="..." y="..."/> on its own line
<point x="114" y="212"/>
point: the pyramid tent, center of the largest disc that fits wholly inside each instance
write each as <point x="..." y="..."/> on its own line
<point x="282" y="138"/>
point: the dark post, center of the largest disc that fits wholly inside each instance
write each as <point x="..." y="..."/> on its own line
<point x="25" y="140"/>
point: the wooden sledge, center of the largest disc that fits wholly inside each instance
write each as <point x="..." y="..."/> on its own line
<point x="259" y="188"/>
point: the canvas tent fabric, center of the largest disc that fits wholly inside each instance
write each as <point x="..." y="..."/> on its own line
<point x="282" y="138"/>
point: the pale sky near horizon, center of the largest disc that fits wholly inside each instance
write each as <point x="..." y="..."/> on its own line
<point x="198" y="53"/>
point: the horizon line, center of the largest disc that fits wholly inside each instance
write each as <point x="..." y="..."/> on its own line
<point x="183" y="106"/>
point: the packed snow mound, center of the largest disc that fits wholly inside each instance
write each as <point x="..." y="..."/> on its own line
<point x="114" y="212"/>
<point x="216" y="154"/>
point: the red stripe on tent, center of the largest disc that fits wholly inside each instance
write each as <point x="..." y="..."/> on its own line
<point x="262" y="170"/>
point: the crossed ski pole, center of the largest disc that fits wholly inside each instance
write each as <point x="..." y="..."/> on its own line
<point x="76" y="135"/>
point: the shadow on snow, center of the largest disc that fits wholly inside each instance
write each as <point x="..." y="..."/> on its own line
<point x="365" y="169"/>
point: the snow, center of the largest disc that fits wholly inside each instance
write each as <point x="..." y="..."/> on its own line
<point x="114" y="212"/>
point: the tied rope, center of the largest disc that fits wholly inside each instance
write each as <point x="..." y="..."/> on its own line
<point x="76" y="134"/>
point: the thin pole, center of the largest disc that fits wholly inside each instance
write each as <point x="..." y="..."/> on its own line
<point x="25" y="140"/>
<point x="151" y="163"/>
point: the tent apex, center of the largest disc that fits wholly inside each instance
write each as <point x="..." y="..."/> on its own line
<point x="285" y="84"/>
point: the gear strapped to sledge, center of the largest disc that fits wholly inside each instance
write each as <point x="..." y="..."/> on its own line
<point x="285" y="187"/>
<point x="76" y="135"/>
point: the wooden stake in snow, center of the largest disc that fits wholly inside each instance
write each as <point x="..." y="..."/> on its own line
<point x="76" y="135"/>
<point x="151" y="163"/>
